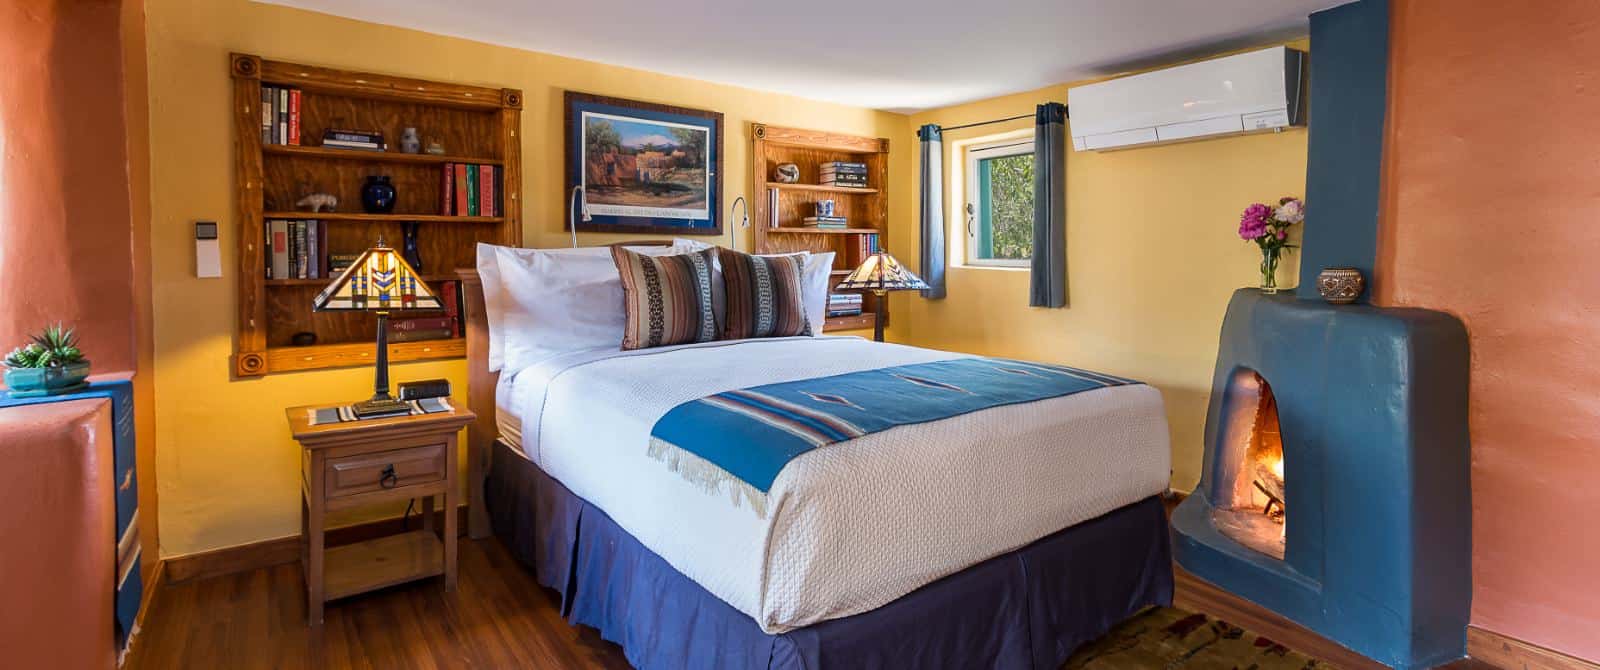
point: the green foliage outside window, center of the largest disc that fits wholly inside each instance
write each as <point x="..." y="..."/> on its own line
<point x="1011" y="207"/>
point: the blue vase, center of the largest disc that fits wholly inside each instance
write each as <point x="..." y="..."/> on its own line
<point x="377" y="195"/>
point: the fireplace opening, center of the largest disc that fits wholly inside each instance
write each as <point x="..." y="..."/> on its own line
<point x="1253" y="501"/>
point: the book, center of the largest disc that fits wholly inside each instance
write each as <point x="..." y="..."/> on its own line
<point x="420" y="335"/>
<point x="280" y="249"/>
<point x="447" y="190"/>
<point x="298" y="258"/>
<point x="414" y="323"/>
<point x="267" y="96"/>
<point x="313" y="244"/>
<point x="460" y="176"/>
<point x="283" y="116"/>
<point x="820" y="220"/>
<point x="362" y="136"/>
<point x="337" y="263"/>
<point x="294" y="117"/>
<point x="472" y="190"/>
<point x="448" y="294"/>
<point x="486" y="190"/>
<point x="355" y="146"/>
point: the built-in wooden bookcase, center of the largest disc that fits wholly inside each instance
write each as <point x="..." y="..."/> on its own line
<point x="475" y="125"/>
<point x="779" y="208"/>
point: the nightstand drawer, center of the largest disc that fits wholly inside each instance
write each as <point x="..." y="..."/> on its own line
<point x="365" y="473"/>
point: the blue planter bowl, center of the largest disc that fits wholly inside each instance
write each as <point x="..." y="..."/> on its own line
<point x="34" y="382"/>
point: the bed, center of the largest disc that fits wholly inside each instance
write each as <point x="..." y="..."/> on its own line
<point x="997" y="538"/>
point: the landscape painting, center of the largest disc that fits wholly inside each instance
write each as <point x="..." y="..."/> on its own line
<point x="644" y="168"/>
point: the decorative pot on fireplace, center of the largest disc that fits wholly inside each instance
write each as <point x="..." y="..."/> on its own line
<point x="1340" y="286"/>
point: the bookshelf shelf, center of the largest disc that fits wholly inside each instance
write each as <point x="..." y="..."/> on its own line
<point x="813" y="230"/>
<point x="324" y="281"/>
<point x="480" y="125"/>
<point x="823" y="189"/>
<point x="781" y="207"/>
<point x="372" y="156"/>
<point x="356" y="216"/>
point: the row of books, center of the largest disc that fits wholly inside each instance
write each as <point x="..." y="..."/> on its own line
<point x="433" y="326"/>
<point x="280" y="115"/>
<point x="826" y="221"/>
<point x="296" y="249"/>
<point x="470" y="190"/>
<point x="299" y="250"/>
<point x="844" y="304"/>
<point x="843" y="173"/>
<point x="865" y="245"/>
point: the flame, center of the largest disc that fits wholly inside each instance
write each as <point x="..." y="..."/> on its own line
<point x="1277" y="468"/>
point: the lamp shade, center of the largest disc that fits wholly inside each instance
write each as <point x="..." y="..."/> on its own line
<point x="881" y="272"/>
<point x="379" y="280"/>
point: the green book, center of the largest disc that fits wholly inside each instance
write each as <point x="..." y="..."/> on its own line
<point x="472" y="190"/>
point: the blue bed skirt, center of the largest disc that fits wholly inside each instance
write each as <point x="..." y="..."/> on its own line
<point x="1027" y="609"/>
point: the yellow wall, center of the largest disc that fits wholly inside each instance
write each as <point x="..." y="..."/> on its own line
<point x="227" y="467"/>
<point x="1152" y="257"/>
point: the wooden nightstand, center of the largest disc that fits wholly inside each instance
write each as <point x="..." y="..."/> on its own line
<point x="356" y="463"/>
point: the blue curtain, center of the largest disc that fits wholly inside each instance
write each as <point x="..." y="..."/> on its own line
<point x="1049" y="276"/>
<point x="931" y="197"/>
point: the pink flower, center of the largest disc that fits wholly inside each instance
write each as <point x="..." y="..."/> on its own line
<point x="1283" y="235"/>
<point x="1253" y="223"/>
<point x="1291" y="211"/>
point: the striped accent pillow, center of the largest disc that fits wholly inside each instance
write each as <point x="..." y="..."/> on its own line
<point x="763" y="295"/>
<point x="667" y="299"/>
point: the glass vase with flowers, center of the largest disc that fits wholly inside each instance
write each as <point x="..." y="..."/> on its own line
<point x="1268" y="227"/>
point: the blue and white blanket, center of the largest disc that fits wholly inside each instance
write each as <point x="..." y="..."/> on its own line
<point x="743" y="438"/>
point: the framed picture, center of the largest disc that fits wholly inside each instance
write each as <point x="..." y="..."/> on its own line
<point x="644" y="168"/>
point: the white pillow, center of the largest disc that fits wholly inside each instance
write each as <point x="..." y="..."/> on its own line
<point x="815" y="283"/>
<point x="540" y="302"/>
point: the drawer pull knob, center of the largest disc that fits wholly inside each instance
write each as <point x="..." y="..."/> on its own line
<point x="388" y="479"/>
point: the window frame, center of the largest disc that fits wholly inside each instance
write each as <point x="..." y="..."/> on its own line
<point x="974" y="153"/>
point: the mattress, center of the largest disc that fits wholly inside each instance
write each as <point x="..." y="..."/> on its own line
<point x="852" y="526"/>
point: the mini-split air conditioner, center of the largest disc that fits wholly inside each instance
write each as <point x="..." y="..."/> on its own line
<point x="1245" y="93"/>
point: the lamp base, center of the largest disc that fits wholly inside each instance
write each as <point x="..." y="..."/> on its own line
<point x="380" y="407"/>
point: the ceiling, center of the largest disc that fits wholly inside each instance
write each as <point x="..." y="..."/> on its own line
<point x="898" y="55"/>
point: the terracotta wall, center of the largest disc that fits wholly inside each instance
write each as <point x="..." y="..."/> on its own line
<point x="65" y="231"/>
<point x="1492" y="212"/>
<point x="74" y="194"/>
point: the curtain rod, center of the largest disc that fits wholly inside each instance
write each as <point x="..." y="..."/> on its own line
<point x="985" y="123"/>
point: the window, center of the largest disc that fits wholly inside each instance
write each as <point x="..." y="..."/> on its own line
<point x="999" y="210"/>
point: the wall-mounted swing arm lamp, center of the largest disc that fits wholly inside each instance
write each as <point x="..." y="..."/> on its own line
<point x="574" y="210"/>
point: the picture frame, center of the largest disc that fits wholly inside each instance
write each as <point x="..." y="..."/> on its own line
<point x="644" y="167"/>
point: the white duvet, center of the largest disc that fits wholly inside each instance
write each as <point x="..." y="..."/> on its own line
<point x="851" y="526"/>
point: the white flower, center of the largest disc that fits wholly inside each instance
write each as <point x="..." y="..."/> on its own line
<point x="1290" y="212"/>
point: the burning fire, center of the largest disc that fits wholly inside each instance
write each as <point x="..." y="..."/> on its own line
<point x="1277" y="467"/>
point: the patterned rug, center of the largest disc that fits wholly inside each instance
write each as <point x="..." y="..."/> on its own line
<point x="1162" y="637"/>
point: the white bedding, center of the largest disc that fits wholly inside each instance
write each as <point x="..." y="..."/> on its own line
<point x="851" y="526"/>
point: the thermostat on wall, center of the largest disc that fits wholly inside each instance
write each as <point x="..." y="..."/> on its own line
<point x="207" y="254"/>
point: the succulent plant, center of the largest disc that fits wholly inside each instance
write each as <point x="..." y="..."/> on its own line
<point x="56" y="346"/>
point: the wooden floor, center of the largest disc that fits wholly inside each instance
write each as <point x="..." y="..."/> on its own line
<point x="497" y="618"/>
